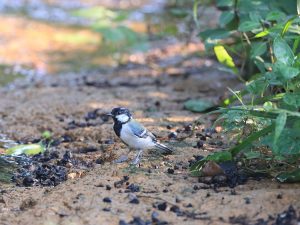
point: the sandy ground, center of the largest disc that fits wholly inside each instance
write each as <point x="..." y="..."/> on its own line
<point x="57" y="103"/>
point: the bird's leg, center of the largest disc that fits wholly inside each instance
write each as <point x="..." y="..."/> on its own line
<point x="137" y="158"/>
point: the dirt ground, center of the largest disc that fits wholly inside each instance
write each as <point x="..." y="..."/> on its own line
<point x="154" y="86"/>
<point x="60" y="103"/>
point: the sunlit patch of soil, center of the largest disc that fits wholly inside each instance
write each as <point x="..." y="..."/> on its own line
<point x="32" y="43"/>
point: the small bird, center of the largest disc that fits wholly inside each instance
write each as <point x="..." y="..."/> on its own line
<point x="133" y="134"/>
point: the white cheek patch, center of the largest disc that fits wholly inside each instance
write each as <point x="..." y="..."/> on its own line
<point x="123" y="118"/>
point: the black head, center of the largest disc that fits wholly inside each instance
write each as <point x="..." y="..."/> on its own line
<point x="120" y="114"/>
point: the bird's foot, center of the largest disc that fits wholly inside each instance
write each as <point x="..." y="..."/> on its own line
<point x="137" y="158"/>
<point x="135" y="161"/>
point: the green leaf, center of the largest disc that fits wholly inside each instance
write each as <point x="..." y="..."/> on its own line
<point x="95" y="13"/>
<point x="46" y="134"/>
<point x="195" y="11"/>
<point x="256" y="86"/>
<point x="289" y="177"/>
<point x="268" y="106"/>
<point x="219" y="156"/>
<point x="224" y="58"/>
<point x="27" y="149"/>
<point x="275" y="16"/>
<point x="224" y="3"/>
<point x="262" y="34"/>
<point x="257" y="49"/>
<point x="284" y="72"/>
<point x="282" y="51"/>
<point x="255" y="16"/>
<point x="280" y="124"/>
<point x="198" y="105"/>
<point x="179" y="12"/>
<point x="248" y="26"/>
<point x="214" y="34"/>
<point x="287" y="25"/>
<point x="292" y="99"/>
<point x="225" y="18"/>
<point x="296" y="44"/>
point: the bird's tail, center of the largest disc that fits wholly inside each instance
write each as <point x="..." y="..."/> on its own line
<point x="163" y="148"/>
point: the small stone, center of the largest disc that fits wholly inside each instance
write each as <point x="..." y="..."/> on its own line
<point x="122" y="222"/>
<point x="169" y="127"/>
<point x="173" y="135"/>
<point x="247" y="200"/>
<point x="133" y="188"/>
<point x="108" y="142"/>
<point x="170" y="171"/>
<point x="279" y="196"/>
<point x="108" y="187"/>
<point x="134" y="201"/>
<point x="28" y="181"/>
<point x="175" y="209"/>
<point x="189" y="205"/>
<point x="178" y="199"/>
<point x="162" y="206"/>
<point x="232" y="192"/>
<point x="154" y="217"/>
<point x="203" y="138"/>
<point x="107" y="200"/>
<point x="106" y="209"/>
<point x="138" y="221"/>
<point x="188" y="128"/>
<point x="199" y="144"/>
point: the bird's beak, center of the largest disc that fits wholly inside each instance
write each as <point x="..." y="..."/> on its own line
<point x="109" y="114"/>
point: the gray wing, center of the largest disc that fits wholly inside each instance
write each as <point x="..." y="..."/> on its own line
<point x="139" y="130"/>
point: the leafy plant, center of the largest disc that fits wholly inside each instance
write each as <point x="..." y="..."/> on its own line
<point x="116" y="35"/>
<point x="259" y="42"/>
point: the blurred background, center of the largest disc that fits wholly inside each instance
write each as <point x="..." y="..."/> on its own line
<point x="42" y="37"/>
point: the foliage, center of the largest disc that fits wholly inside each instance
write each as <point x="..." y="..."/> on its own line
<point x="116" y="35"/>
<point x="259" y="41"/>
<point x="27" y="149"/>
<point x="198" y="105"/>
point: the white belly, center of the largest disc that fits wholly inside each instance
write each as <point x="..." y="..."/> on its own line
<point x="135" y="142"/>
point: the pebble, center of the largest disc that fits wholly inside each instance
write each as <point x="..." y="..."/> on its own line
<point x="247" y="200"/>
<point x="107" y="199"/>
<point x="178" y="199"/>
<point x="154" y="217"/>
<point x="199" y="144"/>
<point x="170" y="171"/>
<point x="175" y="209"/>
<point x="133" y="188"/>
<point x="162" y="206"/>
<point x="28" y="181"/>
<point x="133" y="199"/>
<point x="173" y="135"/>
